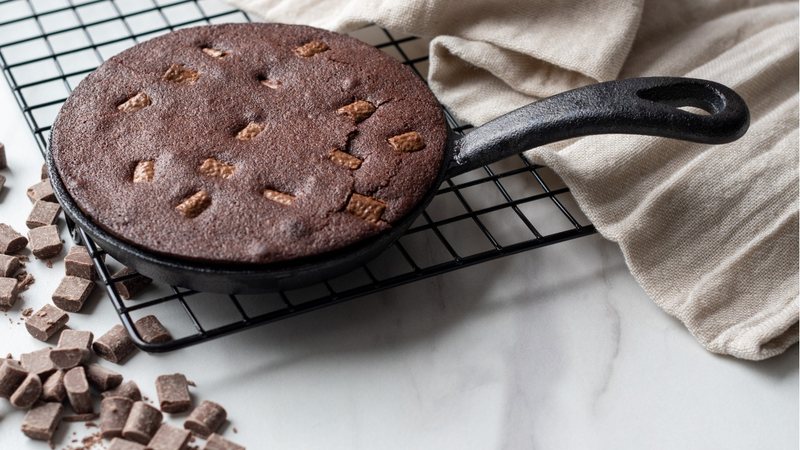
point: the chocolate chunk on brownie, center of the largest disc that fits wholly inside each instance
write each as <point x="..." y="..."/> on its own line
<point x="300" y="142"/>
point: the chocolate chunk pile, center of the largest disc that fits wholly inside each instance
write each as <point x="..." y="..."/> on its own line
<point x="49" y="381"/>
<point x="65" y="383"/>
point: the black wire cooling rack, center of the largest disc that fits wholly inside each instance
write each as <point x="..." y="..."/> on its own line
<point x="48" y="46"/>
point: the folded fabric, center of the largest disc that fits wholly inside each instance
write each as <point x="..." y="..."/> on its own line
<point x="710" y="232"/>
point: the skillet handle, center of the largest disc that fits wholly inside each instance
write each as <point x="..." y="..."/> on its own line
<point x="647" y="106"/>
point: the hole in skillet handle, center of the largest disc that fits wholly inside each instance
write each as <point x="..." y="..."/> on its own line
<point x="693" y="98"/>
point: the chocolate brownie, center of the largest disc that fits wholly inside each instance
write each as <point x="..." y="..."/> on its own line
<point x="249" y="143"/>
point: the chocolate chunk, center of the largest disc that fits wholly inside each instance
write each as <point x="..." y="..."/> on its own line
<point x="407" y="142"/>
<point x="53" y="387"/>
<point x="66" y="357"/>
<point x="195" y="204"/>
<point x="45" y="322"/>
<point x="345" y="159"/>
<point x="311" y="48"/>
<point x="10" y="240"/>
<point x="38" y="362"/>
<point x="77" y="387"/>
<point x="80" y="417"/>
<point x="72" y="292"/>
<point x="2" y="182"/>
<point x="169" y="437"/>
<point x="9" y="265"/>
<point x="173" y="393"/>
<point x="123" y="444"/>
<point x="131" y="286"/>
<point x="358" y="111"/>
<point x="212" y="167"/>
<point x="151" y="330"/>
<point x="217" y="442"/>
<point x="45" y="241"/>
<point x="28" y="392"/>
<point x="12" y="374"/>
<point x="135" y="103"/>
<point x="114" y="346"/>
<point x="3" y="162"/>
<point x="78" y="263"/>
<point x="101" y="378"/>
<point x="77" y="339"/>
<point x="8" y="293"/>
<point x="144" y="171"/>
<point x="366" y="208"/>
<point x="214" y="52"/>
<point x="41" y="191"/>
<point x="44" y="174"/>
<point x="41" y="422"/>
<point x="142" y="423"/>
<point x="43" y="213"/>
<point x="128" y="389"/>
<point x="206" y="419"/>
<point x="181" y="74"/>
<point x="113" y="414"/>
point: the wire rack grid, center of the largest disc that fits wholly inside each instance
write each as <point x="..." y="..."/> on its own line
<point x="48" y="46"/>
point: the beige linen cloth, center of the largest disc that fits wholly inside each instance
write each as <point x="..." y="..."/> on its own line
<point x="710" y="232"/>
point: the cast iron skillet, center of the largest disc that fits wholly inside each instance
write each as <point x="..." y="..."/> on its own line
<point x="647" y="106"/>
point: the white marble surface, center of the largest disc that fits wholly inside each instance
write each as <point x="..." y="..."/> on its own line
<point x="553" y="348"/>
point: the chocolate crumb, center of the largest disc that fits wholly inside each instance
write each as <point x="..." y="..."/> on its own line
<point x="24" y="281"/>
